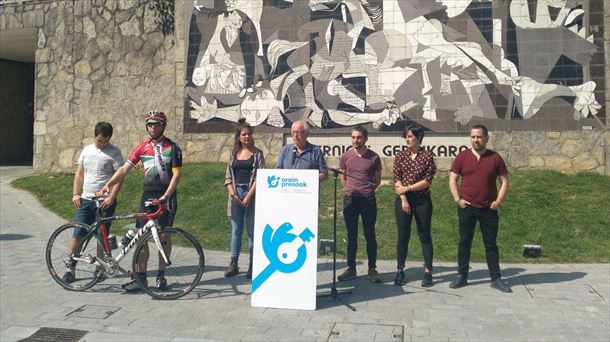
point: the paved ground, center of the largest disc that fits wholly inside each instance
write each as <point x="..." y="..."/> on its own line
<point x="549" y="302"/>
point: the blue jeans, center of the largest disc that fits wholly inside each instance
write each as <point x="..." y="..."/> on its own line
<point x="86" y="214"/>
<point x="241" y="216"/>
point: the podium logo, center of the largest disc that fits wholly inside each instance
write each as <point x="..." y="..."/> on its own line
<point x="273" y="181"/>
<point x="277" y="245"/>
<point x="285" y="183"/>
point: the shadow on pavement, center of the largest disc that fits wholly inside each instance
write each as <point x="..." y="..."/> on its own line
<point x="363" y="290"/>
<point x="14" y="237"/>
<point x="513" y="276"/>
<point x="545" y="278"/>
<point x="213" y="276"/>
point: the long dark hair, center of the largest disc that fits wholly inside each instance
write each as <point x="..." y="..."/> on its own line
<point x="241" y="124"/>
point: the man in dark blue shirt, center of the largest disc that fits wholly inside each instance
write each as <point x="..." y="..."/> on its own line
<point x="309" y="156"/>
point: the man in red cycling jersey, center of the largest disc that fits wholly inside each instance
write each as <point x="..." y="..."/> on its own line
<point x="162" y="161"/>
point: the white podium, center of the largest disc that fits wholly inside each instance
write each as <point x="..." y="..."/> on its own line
<point x="285" y="239"/>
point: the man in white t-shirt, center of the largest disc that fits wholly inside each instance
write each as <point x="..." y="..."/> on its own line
<point x="96" y="165"/>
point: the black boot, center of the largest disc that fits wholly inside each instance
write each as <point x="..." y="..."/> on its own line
<point x="232" y="269"/>
<point x="249" y="273"/>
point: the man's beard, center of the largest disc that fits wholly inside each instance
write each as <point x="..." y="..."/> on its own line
<point x="478" y="147"/>
<point x="160" y="134"/>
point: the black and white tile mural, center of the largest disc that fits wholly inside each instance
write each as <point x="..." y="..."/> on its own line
<point x="441" y="63"/>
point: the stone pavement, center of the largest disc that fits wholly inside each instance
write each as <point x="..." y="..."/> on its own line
<point x="549" y="303"/>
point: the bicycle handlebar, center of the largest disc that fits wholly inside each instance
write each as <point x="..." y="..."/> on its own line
<point x="150" y="216"/>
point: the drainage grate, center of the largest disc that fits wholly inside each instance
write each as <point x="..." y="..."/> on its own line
<point x="94" y="311"/>
<point x="55" y="335"/>
<point x="366" y="332"/>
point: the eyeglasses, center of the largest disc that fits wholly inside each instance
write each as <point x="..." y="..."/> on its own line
<point x="298" y="132"/>
<point x="153" y="124"/>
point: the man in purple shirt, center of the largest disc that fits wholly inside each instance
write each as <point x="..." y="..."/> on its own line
<point x="360" y="177"/>
<point x="478" y="199"/>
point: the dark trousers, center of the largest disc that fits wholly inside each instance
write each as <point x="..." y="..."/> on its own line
<point x="488" y="220"/>
<point x="366" y="207"/>
<point x="421" y="209"/>
<point x="165" y="220"/>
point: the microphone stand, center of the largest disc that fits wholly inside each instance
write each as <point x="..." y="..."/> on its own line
<point x="334" y="293"/>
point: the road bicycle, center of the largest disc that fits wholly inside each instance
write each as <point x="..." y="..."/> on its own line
<point x="89" y="256"/>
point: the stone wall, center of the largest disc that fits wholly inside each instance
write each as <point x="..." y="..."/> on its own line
<point x="217" y="147"/>
<point x="96" y="61"/>
<point x="568" y="152"/>
<point x="107" y="60"/>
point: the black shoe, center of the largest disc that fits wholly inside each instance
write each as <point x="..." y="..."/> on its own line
<point x="133" y="286"/>
<point x="460" y="281"/>
<point x="161" y="284"/>
<point x="68" y="278"/>
<point x="498" y="284"/>
<point x="400" y="278"/>
<point x="427" y="281"/>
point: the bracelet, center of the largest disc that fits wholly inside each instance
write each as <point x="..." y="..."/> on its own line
<point x="75" y="194"/>
<point x="457" y="201"/>
<point x="408" y="188"/>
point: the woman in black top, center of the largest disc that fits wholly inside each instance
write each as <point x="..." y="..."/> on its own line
<point x="240" y="180"/>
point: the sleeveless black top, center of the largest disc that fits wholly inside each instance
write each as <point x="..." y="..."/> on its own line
<point x="242" y="170"/>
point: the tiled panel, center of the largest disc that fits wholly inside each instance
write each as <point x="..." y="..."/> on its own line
<point x="387" y="63"/>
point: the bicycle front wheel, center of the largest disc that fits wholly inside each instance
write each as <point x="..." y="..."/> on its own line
<point x="180" y="276"/>
<point x="70" y="251"/>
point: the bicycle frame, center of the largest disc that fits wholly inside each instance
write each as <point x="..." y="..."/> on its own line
<point x="103" y="241"/>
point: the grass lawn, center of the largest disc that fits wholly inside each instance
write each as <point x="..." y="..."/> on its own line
<point x="568" y="215"/>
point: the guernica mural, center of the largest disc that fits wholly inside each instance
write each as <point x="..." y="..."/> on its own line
<point x="339" y="63"/>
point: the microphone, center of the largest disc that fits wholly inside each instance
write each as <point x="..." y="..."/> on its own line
<point x="295" y="155"/>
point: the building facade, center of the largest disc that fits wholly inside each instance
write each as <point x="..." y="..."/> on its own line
<point x="534" y="72"/>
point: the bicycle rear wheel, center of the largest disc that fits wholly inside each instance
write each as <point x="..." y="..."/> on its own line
<point x="61" y="259"/>
<point x="186" y="264"/>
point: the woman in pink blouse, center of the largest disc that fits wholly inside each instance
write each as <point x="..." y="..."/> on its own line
<point x="413" y="172"/>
